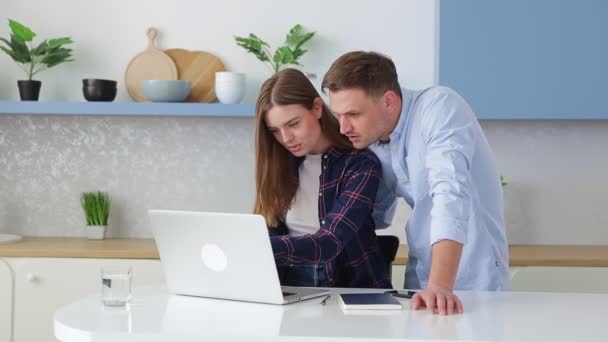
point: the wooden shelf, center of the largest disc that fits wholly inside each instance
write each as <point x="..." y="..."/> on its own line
<point x="127" y="108"/>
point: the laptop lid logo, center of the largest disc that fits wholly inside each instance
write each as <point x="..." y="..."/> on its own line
<point x="214" y="257"/>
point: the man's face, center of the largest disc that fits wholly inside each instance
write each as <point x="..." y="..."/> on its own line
<point x="363" y="119"/>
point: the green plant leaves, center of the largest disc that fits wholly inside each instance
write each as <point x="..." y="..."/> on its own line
<point x="297" y="53"/>
<point x="96" y="206"/>
<point x="21" y="49"/>
<point x="21" y="31"/>
<point x="46" y="55"/>
<point x="56" y="56"/>
<point x="10" y="52"/>
<point x="39" y="50"/>
<point x="297" y="37"/>
<point x="57" y="42"/>
<point x="254" y="45"/>
<point x="284" y="55"/>
<point x="56" y="53"/>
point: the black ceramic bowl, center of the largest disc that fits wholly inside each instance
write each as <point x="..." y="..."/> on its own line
<point x="96" y="82"/>
<point x="96" y="93"/>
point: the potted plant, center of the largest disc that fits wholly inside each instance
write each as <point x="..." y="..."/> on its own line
<point x="32" y="59"/>
<point x="287" y="54"/>
<point x="96" y="206"/>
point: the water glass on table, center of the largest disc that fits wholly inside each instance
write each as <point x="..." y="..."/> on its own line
<point x="116" y="285"/>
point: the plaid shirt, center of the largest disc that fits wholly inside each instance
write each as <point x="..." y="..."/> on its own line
<point x="346" y="245"/>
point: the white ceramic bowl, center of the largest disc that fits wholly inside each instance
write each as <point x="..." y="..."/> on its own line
<point x="229" y="77"/>
<point x="230" y="94"/>
<point x="229" y="86"/>
<point x="166" y="90"/>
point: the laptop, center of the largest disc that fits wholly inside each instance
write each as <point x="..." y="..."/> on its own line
<point x="221" y="255"/>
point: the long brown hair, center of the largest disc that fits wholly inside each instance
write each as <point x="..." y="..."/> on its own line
<point x="276" y="179"/>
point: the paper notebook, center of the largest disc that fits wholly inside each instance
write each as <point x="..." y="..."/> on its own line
<point x="369" y="301"/>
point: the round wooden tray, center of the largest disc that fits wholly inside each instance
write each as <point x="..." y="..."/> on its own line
<point x="198" y="67"/>
<point x="150" y="64"/>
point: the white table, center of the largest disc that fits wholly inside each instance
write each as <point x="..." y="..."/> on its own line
<point x="158" y="316"/>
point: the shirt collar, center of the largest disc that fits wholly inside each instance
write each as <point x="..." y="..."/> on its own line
<point x="406" y="100"/>
<point x="333" y="152"/>
<point x="336" y="152"/>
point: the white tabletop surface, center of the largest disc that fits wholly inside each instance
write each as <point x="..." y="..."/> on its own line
<point x="156" y="315"/>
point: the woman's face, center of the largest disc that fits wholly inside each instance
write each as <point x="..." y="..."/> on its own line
<point x="297" y="128"/>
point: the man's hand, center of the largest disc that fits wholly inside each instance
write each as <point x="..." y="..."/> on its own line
<point x="437" y="300"/>
<point x="438" y="296"/>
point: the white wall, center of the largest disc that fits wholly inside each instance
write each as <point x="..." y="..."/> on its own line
<point x="109" y="33"/>
<point x="557" y="179"/>
<point x="555" y="169"/>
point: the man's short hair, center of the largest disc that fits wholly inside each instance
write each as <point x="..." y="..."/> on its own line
<point x="372" y="72"/>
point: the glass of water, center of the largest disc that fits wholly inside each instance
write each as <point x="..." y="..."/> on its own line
<point x="116" y="285"/>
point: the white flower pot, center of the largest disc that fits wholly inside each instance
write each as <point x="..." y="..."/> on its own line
<point x="96" y="232"/>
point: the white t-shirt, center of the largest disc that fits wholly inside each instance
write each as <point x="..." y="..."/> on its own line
<point x="303" y="216"/>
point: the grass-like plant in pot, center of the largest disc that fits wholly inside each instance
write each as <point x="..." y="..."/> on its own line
<point x="96" y="206"/>
<point x="32" y="59"/>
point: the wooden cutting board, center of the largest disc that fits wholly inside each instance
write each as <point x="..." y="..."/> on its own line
<point x="150" y="64"/>
<point x="198" y="67"/>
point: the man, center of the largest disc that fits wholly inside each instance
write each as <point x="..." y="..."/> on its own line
<point x="434" y="155"/>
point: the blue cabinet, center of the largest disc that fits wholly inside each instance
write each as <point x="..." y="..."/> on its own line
<point x="526" y="59"/>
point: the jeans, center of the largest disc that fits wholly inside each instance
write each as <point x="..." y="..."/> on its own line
<point x="304" y="275"/>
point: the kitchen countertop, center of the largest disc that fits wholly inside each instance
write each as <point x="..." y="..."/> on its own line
<point x="544" y="255"/>
<point x="62" y="247"/>
<point x="126" y="248"/>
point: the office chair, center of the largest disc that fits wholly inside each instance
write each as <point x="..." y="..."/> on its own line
<point x="388" y="248"/>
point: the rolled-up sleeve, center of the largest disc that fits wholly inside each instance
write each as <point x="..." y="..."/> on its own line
<point x="449" y="133"/>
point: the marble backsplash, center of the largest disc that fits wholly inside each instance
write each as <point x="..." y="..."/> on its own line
<point x="555" y="169"/>
<point x="143" y="162"/>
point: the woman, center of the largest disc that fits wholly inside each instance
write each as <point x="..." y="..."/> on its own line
<point x="315" y="190"/>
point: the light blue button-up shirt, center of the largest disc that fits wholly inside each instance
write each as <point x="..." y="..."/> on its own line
<point x="440" y="162"/>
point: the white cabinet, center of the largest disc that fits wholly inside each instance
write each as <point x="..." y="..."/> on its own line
<point x="42" y="285"/>
<point x="560" y="279"/>
<point x="6" y="302"/>
<point x="543" y="278"/>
